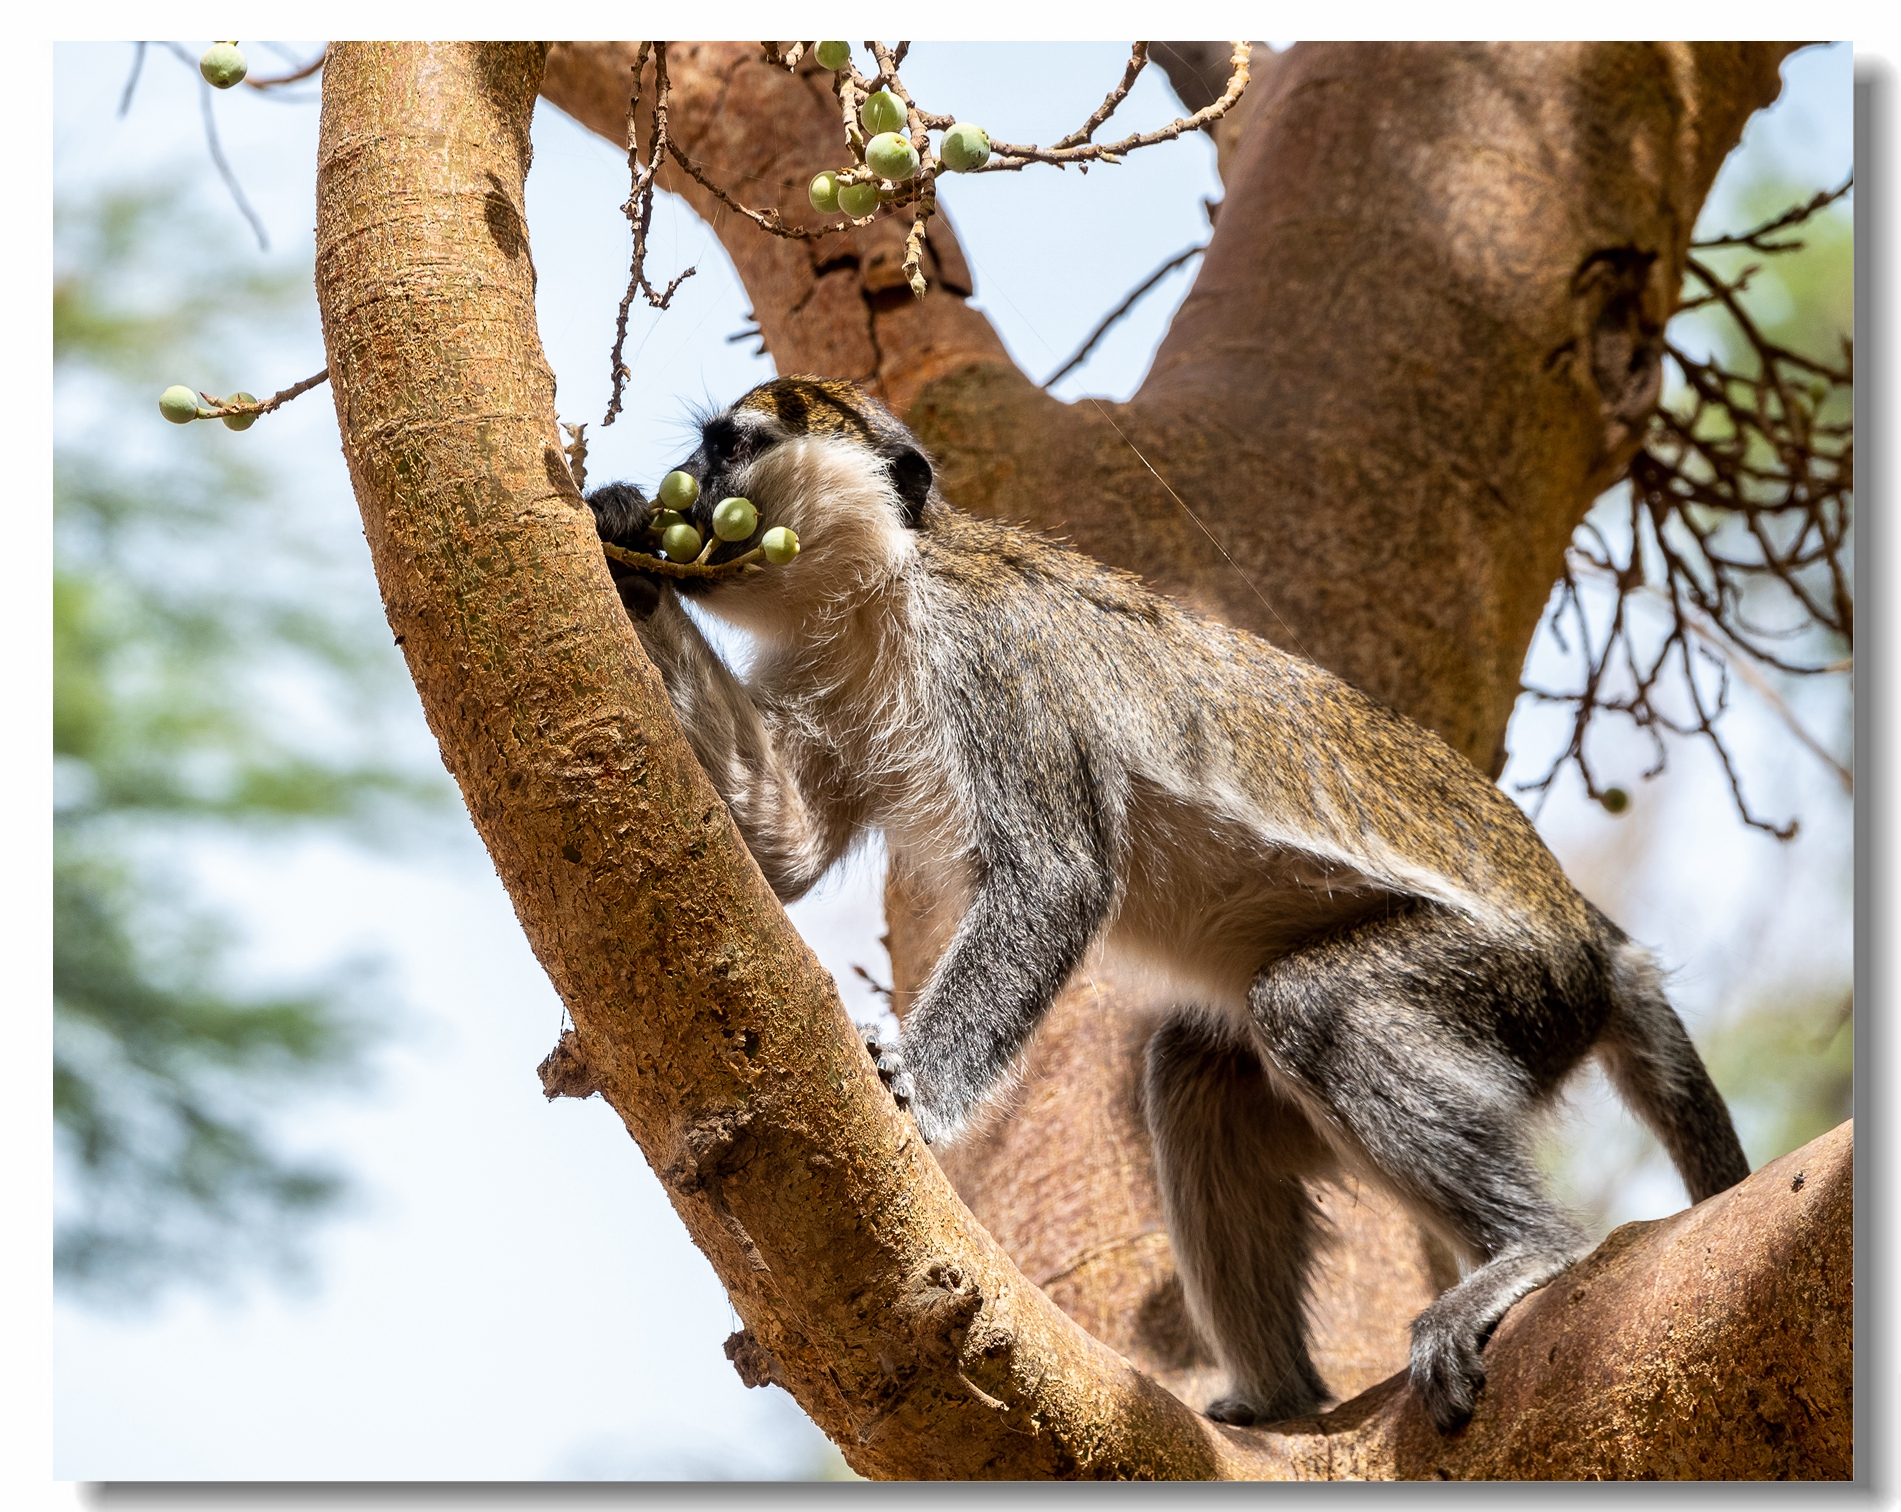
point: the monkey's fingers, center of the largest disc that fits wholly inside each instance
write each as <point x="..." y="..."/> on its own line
<point x="892" y="1071"/>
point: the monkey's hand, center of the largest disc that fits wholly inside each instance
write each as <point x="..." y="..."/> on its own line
<point x="621" y="512"/>
<point x="894" y="1073"/>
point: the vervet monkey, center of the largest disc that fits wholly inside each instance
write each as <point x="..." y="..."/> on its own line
<point x="1379" y="965"/>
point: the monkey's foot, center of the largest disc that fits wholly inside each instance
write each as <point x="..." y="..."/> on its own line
<point x="1449" y="1337"/>
<point x="1448" y="1368"/>
<point x="892" y="1071"/>
<point x="1235" y="1410"/>
<point x="1247" y="1412"/>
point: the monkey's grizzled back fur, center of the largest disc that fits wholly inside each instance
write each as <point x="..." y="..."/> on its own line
<point x="1380" y="964"/>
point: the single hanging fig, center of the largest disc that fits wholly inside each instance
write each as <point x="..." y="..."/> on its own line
<point x="882" y="112"/>
<point x="681" y="542"/>
<point x="679" y="490"/>
<point x="178" y="404"/>
<point x="780" y="545"/>
<point x="890" y="156"/>
<point x="858" y="199"/>
<point x="965" y="147"/>
<point x="239" y="422"/>
<point x="824" y="192"/>
<point x="735" y="519"/>
<point x="833" y="55"/>
<point x="223" y="65"/>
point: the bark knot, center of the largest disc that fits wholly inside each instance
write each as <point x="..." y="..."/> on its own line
<point x="564" y="1073"/>
<point x="713" y="1146"/>
<point x="757" y="1365"/>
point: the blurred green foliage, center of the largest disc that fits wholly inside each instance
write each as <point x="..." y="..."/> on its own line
<point x="1786" y="1064"/>
<point x="218" y="677"/>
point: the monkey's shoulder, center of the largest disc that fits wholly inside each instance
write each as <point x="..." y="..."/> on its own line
<point x="994" y="561"/>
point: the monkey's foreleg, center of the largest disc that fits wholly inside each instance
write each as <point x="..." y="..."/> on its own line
<point x="1023" y="934"/>
<point x="1230" y="1151"/>
<point x="794" y="842"/>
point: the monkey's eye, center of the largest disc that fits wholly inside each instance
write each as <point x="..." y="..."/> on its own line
<point x="726" y="444"/>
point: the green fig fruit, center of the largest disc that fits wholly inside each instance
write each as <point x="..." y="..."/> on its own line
<point x="681" y="542"/>
<point x="223" y="65"/>
<point x="679" y="490"/>
<point x="858" y="199"/>
<point x="890" y="156"/>
<point x="178" y="404"/>
<point x="882" y="112"/>
<point x="735" y="519"/>
<point x="781" y="545"/>
<point x="833" y="55"/>
<point x="965" y="147"/>
<point x="240" y="422"/>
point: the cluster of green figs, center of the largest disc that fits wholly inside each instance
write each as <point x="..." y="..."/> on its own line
<point x="734" y="520"/>
<point x="888" y="151"/>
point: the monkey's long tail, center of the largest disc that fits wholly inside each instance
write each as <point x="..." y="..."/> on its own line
<point x="1650" y="1060"/>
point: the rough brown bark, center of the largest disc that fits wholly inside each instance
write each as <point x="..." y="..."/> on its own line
<point x="1424" y="336"/>
<point x="867" y="1288"/>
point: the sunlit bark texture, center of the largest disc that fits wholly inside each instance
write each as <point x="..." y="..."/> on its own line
<point x="1425" y="334"/>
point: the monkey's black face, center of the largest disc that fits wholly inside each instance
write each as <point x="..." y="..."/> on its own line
<point x="736" y="440"/>
<point x="732" y="441"/>
<point x="729" y="443"/>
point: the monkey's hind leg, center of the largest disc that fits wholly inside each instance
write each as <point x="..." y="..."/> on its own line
<point x="1400" y="1027"/>
<point x="1229" y="1154"/>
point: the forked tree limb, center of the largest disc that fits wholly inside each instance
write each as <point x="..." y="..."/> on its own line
<point x="1424" y="335"/>
<point x="868" y="1290"/>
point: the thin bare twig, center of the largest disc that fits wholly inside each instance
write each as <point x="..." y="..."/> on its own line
<point x="1138" y="60"/>
<point x="1793" y="216"/>
<point x="1120" y="310"/>
<point x="296" y="74"/>
<point x="639" y="210"/>
<point x="766" y="220"/>
<point x="1739" y="661"/>
<point x="1010" y="157"/>
<point x="216" y="408"/>
<point x="224" y="168"/>
<point x="132" y="79"/>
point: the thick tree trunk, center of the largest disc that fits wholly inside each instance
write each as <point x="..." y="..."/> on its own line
<point x="868" y="1289"/>
<point x="1425" y="336"/>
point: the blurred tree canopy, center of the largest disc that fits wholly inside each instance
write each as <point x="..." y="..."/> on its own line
<point x="217" y="678"/>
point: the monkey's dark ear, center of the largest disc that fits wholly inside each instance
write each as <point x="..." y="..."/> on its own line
<point x="911" y="476"/>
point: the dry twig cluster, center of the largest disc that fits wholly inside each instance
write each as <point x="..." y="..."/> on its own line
<point x="1737" y="525"/>
<point x="918" y="195"/>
